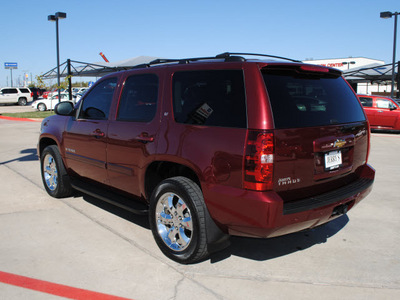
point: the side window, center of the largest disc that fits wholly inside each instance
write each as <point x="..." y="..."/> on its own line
<point x="383" y="103"/>
<point x="139" y="98"/>
<point x="96" y="105"/>
<point x="24" y="91"/>
<point x="366" y="102"/>
<point x="10" y="91"/>
<point x="211" y="98"/>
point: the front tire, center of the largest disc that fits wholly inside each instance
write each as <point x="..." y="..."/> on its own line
<point x="42" y="107"/>
<point x="55" y="178"/>
<point x="178" y="220"/>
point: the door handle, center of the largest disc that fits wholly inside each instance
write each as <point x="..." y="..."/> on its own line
<point x="144" y="138"/>
<point x="98" y="134"/>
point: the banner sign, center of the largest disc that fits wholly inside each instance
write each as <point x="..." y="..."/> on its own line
<point x="10" y="65"/>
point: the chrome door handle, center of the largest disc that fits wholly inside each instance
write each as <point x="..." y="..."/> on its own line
<point x="98" y="133"/>
<point x="144" y="138"/>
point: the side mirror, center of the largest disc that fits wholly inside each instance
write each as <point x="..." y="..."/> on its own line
<point x="393" y="108"/>
<point x="64" y="108"/>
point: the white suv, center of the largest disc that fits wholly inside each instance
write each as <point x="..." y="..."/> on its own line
<point x="11" y="95"/>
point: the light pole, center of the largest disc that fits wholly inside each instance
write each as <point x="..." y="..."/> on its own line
<point x="387" y="15"/>
<point x="348" y="63"/>
<point x="58" y="15"/>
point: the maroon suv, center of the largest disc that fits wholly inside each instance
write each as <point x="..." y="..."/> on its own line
<point x="212" y="147"/>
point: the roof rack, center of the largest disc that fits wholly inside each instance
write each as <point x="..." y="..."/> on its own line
<point x="227" y="56"/>
<point x="160" y="61"/>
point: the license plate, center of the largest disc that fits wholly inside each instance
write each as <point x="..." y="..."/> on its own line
<point x="333" y="160"/>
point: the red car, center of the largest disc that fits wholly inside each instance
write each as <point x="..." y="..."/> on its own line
<point x="383" y="113"/>
<point x="215" y="146"/>
<point x="45" y="94"/>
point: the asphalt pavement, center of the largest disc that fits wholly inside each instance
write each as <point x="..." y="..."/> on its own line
<point x="81" y="248"/>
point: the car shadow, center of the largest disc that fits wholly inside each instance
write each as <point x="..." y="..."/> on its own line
<point x="27" y="155"/>
<point x="382" y="131"/>
<point x="266" y="249"/>
<point x="250" y="248"/>
<point x="141" y="220"/>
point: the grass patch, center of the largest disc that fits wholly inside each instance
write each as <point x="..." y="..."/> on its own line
<point x="30" y="115"/>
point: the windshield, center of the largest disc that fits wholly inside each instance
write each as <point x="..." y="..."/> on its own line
<point x="305" y="99"/>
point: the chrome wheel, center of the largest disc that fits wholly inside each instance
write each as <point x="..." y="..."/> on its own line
<point x="174" y="222"/>
<point x="41" y="107"/>
<point x="50" y="173"/>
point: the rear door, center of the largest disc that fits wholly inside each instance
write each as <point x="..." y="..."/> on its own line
<point x="132" y="135"/>
<point x="321" y="133"/>
<point x="9" y="95"/>
<point x="370" y="111"/>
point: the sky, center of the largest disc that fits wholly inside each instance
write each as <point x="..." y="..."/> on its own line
<point x="122" y="29"/>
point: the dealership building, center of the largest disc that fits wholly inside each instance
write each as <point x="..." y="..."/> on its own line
<point x="355" y="70"/>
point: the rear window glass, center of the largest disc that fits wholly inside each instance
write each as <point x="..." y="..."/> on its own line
<point x="365" y="101"/>
<point x="300" y="99"/>
<point x="139" y="98"/>
<point x="211" y="98"/>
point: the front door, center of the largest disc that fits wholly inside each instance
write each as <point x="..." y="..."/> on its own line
<point x="85" y="138"/>
<point x="385" y="115"/>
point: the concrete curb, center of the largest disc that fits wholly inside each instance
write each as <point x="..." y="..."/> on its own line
<point x="20" y="119"/>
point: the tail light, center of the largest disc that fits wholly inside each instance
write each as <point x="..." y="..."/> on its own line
<point x="31" y="94"/>
<point x="259" y="160"/>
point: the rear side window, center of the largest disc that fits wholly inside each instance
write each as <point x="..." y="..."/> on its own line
<point x="211" y="98"/>
<point x="24" y="90"/>
<point x="96" y="105"/>
<point x="307" y="99"/>
<point x="10" y="91"/>
<point x="139" y="98"/>
<point x="366" y="101"/>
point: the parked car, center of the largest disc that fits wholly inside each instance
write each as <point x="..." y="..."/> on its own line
<point x="79" y="90"/>
<point x="45" y="94"/>
<point x="49" y="103"/>
<point x="35" y="93"/>
<point x="79" y="95"/>
<point x="213" y="147"/>
<point x="15" y="95"/>
<point x="383" y="113"/>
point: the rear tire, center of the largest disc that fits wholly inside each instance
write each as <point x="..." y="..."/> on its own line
<point x="55" y="178"/>
<point x="178" y="220"/>
<point x="22" y="101"/>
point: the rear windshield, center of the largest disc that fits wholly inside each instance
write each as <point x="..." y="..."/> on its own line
<point x="300" y="99"/>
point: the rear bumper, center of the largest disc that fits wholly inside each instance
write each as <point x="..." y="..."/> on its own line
<point x="264" y="214"/>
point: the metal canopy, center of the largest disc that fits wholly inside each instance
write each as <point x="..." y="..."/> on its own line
<point x="371" y="73"/>
<point x="98" y="69"/>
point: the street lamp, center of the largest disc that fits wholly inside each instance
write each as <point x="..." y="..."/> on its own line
<point x="387" y="15"/>
<point x="348" y="63"/>
<point x="58" y="15"/>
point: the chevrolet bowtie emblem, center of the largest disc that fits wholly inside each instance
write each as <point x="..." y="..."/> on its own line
<point x="339" y="143"/>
